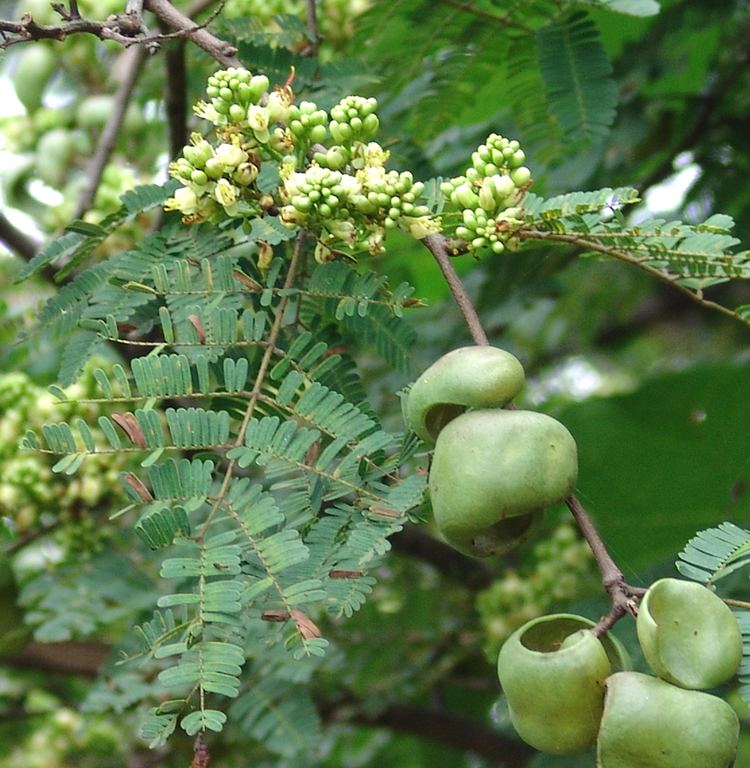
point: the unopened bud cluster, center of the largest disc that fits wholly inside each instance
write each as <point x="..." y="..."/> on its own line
<point x="489" y="196"/>
<point x="31" y="494"/>
<point x="333" y="180"/>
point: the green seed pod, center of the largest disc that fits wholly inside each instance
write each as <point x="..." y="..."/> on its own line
<point x="94" y="111"/>
<point x="468" y="377"/>
<point x="552" y="671"/>
<point x="492" y="467"/>
<point x="34" y="67"/>
<point x="54" y="153"/>
<point x="649" y="723"/>
<point x="689" y="636"/>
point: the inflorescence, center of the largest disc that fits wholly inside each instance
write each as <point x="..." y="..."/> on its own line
<point x="332" y="176"/>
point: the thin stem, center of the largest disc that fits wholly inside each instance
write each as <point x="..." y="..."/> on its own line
<point x="221" y="50"/>
<point x="134" y="61"/>
<point x="737" y="603"/>
<point x="260" y="377"/>
<point x="622" y="255"/>
<point x="504" y="20"/>
<point x="436" y="244"/>
<point x="611" y="574"/>
<point x="312" y="28"/>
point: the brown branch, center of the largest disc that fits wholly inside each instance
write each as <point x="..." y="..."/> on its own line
<point x="134" y="59"/>
<point x="440" y="726"/>
<point x="16" y="240"/>
<point x="622" y="255"/>
<point x="122" y="28"/>
<point x="437" y="245"/>
<point x="125" y="28"/>
<point x="623" y="596"/>
<point x="72" y="657"/>
<point x="312" y="29"/>
<point x="222" y="51"/>
<point x="175" y="97"/>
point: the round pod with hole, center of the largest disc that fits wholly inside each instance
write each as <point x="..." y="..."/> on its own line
<point x="468" y="377"/>
<point x="552" y="671"/>
<point x="493" y="474"/>
<point x="689" y="636"/>
<point x="650" y="723"/>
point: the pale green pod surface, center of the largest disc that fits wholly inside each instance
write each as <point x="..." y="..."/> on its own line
<point x="468" y="377"/>
<point x="649" y="723"/>
<point x="34" y="67"/>
<point x="689" y="636"/>
<point x="553" y="675"/>
<point x="492" y="467"/>
<point x="54" y="152"/>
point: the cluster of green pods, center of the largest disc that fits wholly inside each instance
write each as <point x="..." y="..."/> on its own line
<point x="494" y="470"/>
<point x="568" y="689"/>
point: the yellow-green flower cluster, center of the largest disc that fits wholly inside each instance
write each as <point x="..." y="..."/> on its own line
<point x="354" y="119"/>
<point x="340" y="191"/>
<point x="560" y="569"/>
<point x="235" y="95"/>
<point x="489" y="195"/>
<point x="30" y="493"/>
<point x="214" y="179"/>
<point x="355" y="208"/>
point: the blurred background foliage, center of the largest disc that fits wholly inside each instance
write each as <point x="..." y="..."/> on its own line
<point x="654" y="387"/>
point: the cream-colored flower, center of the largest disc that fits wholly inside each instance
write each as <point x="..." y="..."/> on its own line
<point x="372" y="177"/>
<point x="185" y="201"/>
<point x="290" y="215"/>
<point x="207" y="112"/>
<point x="323" y="253"/>
<point x="265" y="256"/>
<point x="342" y="230"/>
<point x="258" y="120"/>
<point x="375" y="155"/>
<point x="350" y="185"/>
<point x="375" y="240"/>
<point x="278" y="107"/>
<point x="293" y="184"/>
<point x="230" y="155"/>
<point x="226" y="193"/>
<point x="420" y="226"/>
